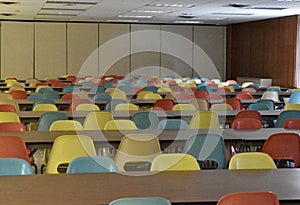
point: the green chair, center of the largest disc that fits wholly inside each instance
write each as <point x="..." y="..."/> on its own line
<point x="206" y="147"/>
<point x="285" y="115"/>
<point x="268" y="102"/>
<point x="14" y="166"/>
<point x="172" y="124"/>
<point x="92" y="164"/>
<point x="48" y="118"/>
<point x="145" y="120"/>
<point x="142" y="200"/>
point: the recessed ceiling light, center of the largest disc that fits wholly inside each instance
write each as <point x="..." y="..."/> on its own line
<point x="172" y="5"/>
<point x="135" y="16"/>
<point x="189" y="22"/>
<point x="150" y="11"/>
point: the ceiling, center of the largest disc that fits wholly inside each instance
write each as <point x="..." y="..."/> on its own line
<point x="216" y="12"/>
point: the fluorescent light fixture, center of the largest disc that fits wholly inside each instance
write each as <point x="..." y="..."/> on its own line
<point x="135" y="16"/>
<point x="188" y="22"/>
<point x="172" y="5"/>
<point x="151" y="11"/>
<point x="233" y="14"/>
<point x="72" y="3"/>
<point x="123" y="20"/>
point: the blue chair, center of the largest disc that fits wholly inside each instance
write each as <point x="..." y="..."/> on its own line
<point x="14" y="166"/>
<point x="97" y="89"/>
<point x="51" y="95"/>
<point x="141" y="201"/>
<point x="268" y="102"/>
<point x="205" y="88"/>
<point x="258" y="106"/>
<point x="285" y="115"/>
<point x="43" y="101"/>
<point x="109" y="84"/>
<point x="48" y="118"/>
<point x="206" y="147"/>
<point x="172" y="124"/>
<point x="35" y="96"/>
<point x="45" y="89"/>
<point x="295" y="98"/>
<point x="92" y="164"/>
<point x="125" y="88"/>
<point x="70" y="89"/>
<point x="272" y="89"/>
<point x="87" y="84"/>
<point x="102" y="96"/>
<point x="150" y="88"/>
<point x="145" y="120"/>
<point x="111" y="104"/>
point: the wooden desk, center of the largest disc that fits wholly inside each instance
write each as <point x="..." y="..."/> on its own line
<point x="184" y="187"/>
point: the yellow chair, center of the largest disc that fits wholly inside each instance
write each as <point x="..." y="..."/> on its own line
<point x="9" y="117"/>
<point x="295" y="90"/>
<point x="251" y="160"/>
<point x="231" y="88"/>
<point x="142" y="93"/>
<point x="221" y="107"/>
<point x="14" y="87"/>
<point x="87" y="107"/>
<point x="162" y="85"/>
<point x="5" y="96"/>
<point x="10" y="102"/>
<point x="245" y="84"/>
<point x="96" y="120"/>
<point x="205" y="120"/>
<point x="137" y="148"/>
<point x="118" y="94"/>
<point x="66" y="148"/>
<point x="164" y="90"/>
<point x="65" y="125"/>
<point x="292" y="107"/>
<point x="174" y="162"/>
<point x="183" y="107"/>
<point x="82" y="94"/>
<point x="191" y="84"/>
<point x="120" y="125"/>
<point x="126" y="107"/>
<point x="45" y="107"/>
<point x="200" y="104"/>
<point x="183" y="84"/>
<point x="152" y="96"/>
<point x="10" y="83"/>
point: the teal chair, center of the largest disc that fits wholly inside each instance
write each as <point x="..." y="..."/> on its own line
<point x="285" y="115"/>
<point x="268" y="102"/>
<point x="125" y="88"/>
<point x="92" y="164"/>
<point x="51" y="95"/>
<point x="111" y="104"/>
<point x="14" y="166"/>
<point x="295" y="97"/>
<point x="141" y="201"/>
<point x="46" y="89"/>
<point x="102" y="96"/>
<point x="48" y="118"/>
<point x="207" y="147"/>
<point x="97" y="89"/>
<point x="172" y="124"/>
<point x="70" y="89"/>
<point x="151" y="88"/>
<point x="258" y="106"/>
<point x="145" y="120"/>
<point x="35" y="96"/>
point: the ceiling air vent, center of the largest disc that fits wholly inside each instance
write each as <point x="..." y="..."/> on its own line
<point x="238" y="5"/>
<point x="186" y="15"/>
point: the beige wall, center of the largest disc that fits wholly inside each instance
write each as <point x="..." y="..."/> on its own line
<point x="47" y="49"/>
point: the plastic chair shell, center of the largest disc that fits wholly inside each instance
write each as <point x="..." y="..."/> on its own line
<point x="65" y="125"/>
<point x="205" y="120"/>
<point x="14" y="166"/>
<point x="249" y="198"/>
<point x="139" y="201"/>
<point x="120" y="125"/>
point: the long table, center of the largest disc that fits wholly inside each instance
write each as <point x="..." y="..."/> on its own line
<point x="180" y="187"/>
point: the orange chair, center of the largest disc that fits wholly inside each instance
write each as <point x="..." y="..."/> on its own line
<point x="164" y="104"/>
<point x="70" y="96"/>
<point x="76" y="102"/>
<point x="201" y="94"/>
<point x="292" y="124"/>
<point x="7" y="108"/>
<point x="283" y="147"/>
<point x="246" y="124"/>
<point x="12" y="127"/>
<point x="248" y="114"/>
<point x="244" y="95"/>
<point x="249" y="198"/>
<point x="235" y="103"/>
<point x="18" y="94"/>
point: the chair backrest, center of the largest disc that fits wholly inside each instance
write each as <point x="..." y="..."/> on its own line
<point x="141" y="200"/>
<point x="142" y="93"/>
<point x="111" y="104"/>
<point x="285" y="115"/>
<point x="150" y="88"/>
<point x="152" y="96"/>
<point x="68" y="147"/>
<point x="137" y="148"/>
<point x="13" y="147"/>
<point x="120" y="125"/>
<point x="220" y="106"/>
<point x="249" y="198"/>
<point x="92" y="164"/>
<point x="174" y="162"/>
<point x="5" y="96"/>
<point x="65" y="125"/>
<point x="200" y="104"/>
<point x="235" y="103"/>
<point x="96" y="120"/>
<point x="244" y="95"/>
<point x="274" y="89"/>
<point x="102" y="96"/>
<point x="14" y="166"/>
<point x="45" y="107"/>
<point x="70" y="89"/>
<point x="118" y="94"/>
<point x="295" y="97"/>
<point x="258" y="106"/>
<point x="201" y="94"/>
<point x="246" y="124"/>
<point x="183" y="96"/>
<point x="164" y="104"/>
<point x="292" y="124"/>
<point x="283" y="146"/>
<point x="207" y="147"/>
<point x="70" y="96"/>
<point x="9" y="117"/>
<point x="292" y="107"/>
<point x="12" y="127"/>
<point x="251" y="160"/>
<point x="97" y="89"/>
<point x="172" y="124"/>
<point x="48" y="118"/>
<point x="183" y="107"/>
<point x="51" y="95"/>
<point x="75" y="102"/>
<point x="205" y="120"/>
<point x="87" y="107"/>
<point x="7" y="108"/>
<point x="42" y="101"/>
<point x="43" y="89"/>
<point x="126" y="107"/>
<point x="270" y="95"/>
<point x="145" y="120"/>
<point x="18" y="94"/>
<point x="248" y="114"/>
<point x="10" y="102"/>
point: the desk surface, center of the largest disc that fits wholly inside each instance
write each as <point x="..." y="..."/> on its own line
<point x="179" y="187"/>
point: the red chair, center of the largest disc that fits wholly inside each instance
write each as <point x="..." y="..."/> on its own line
<point x="283" y="147"/>
<point x="7" y="108"/>
<point x="223" y="90"/>
<point x="70" y="96"/>
<point x="41" y="84"/>
<point x="18" y="94"/>
<point x="164" y="104"/>
<point x="248" y="114"/>
<point x="292" y="124"/>
<point x="254" y="87"/>
<point x="231" y="82"/>
<point x="235" y="103"/>
<point x="184" y="97"/>
<point x="249" y="198"/>
<point x="76" y="102"/>
<point x="201" y="94"/>
<point x="188" y="90"/>
<point x="59" y="84"/>
<point x="12" y="127"/>
<point x="244" y="95"/>
<point x="71" y="78"/>
<point x="246" y="124"/>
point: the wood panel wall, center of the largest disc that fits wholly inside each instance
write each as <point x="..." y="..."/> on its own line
<point x="263" y="49"/>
